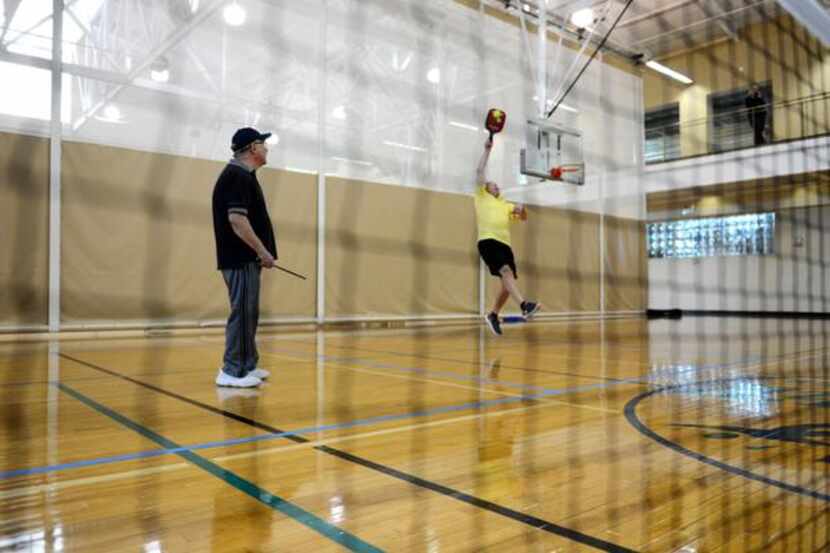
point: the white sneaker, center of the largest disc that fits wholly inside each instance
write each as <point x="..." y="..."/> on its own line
<point x="261" y="374"/>
<point x="247" y="381"/>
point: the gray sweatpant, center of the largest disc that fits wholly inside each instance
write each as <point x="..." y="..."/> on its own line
<point x="241" y="355"/>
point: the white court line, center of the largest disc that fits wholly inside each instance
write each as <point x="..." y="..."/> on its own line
<point x="63" y="484"/>
<point x="462" y="386"/>
<point x="559" y="355"/>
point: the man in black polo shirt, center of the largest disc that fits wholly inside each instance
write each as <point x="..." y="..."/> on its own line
<point x="244" y="244"/>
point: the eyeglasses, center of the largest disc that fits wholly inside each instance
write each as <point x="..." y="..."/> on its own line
<point x="252" y="144"/>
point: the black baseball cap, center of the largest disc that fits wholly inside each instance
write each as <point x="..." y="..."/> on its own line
<point x="245" y="136"/>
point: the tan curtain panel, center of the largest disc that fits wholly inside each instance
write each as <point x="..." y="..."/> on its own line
<point x="138" y="238"/>
<point x="392" y="250"/>
<point x="626" y="265"/>
<point x="557" y="258"/>
<point x="292" y="204"/>
<point x="138" y="244"/>
<point x="24" y="230"/>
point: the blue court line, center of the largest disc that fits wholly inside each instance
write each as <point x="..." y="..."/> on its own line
<point x="4" y="475"/>
<point x="307" y="430"/>
<point x="277" y="503"/>
<point x="429" y="372"/>
<point x="653" y="377"/>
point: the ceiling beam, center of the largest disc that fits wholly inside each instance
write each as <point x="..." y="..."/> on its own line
<point x="5" y="45"/>
<point x="652" y="14"/>
<point x="10" y="10"/>
<point x="162" y="48"/>
<point x="722" y="21"/>
<point x="557" y="24"/>
<point x="69" y="68"/>
<point x="812" y="15"/>
<point x="686" y="29"/>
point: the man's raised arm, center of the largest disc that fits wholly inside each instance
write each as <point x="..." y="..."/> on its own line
<point x="481" y="178"/>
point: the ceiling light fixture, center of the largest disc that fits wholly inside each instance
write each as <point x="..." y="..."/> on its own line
<point x="550" y="104"/>
<point x="234" y="14"/>
<point x="111" y="114"/>
<point x="160" y="70"/>
<point x="354" y="161"/>
<point x="660" y="68"/>
<point x="405" y="146"/>
<point x="583" y="18"/>
<point x="463" y="126"/>
<point x="434" y="75"/>
<point x="400" y="65"/>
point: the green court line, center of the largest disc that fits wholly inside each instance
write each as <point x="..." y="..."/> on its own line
<point x="299" y="514"/>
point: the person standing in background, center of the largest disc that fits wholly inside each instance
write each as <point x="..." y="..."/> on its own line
<point x="756" y="107"/>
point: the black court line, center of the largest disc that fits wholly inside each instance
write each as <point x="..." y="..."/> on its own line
<point x="86" y="378"/>
<point x="517" y="516"/>
<point x="634" y="420"/>
<point x="251" y="489"/>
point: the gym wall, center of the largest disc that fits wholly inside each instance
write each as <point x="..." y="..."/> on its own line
<point x="24" y="230"/>
<point x="137" y="245"/>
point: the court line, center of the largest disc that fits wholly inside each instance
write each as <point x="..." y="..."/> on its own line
<point x="752" y="360"/>
<point x="298" y="445"/>
<point x="199" y="370"/>
<point x="461" y="361"/>
<point x="272" y="435"/>
<point x="265" y="497"/>
<point x="345" y="365"/>
<point x="357" y="436"/>
<point x="458" y="495"/>
<point x="155" y="453"/>
<point x="652" y="378"/>
<point x="639" y="425"/>
<point x="285" y="434"/>
<point x="303" y="356"/>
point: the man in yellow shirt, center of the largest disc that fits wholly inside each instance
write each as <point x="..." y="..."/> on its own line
<point x="493" y="216"/>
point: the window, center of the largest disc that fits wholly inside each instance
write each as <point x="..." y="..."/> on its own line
<point x="729" y="127"/>
<point x="750" y="234"/>
<point x="662" y="134"/>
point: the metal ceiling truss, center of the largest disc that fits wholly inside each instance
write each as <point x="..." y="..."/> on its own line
<point x="685" y="30"/>
<point x="171" y="41"/>
<point x="633" y="20"/>
<point x="814" y="16"/>
<point x="558" y="24"/>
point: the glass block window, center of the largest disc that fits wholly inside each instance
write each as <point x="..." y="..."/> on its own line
<point x="750" y="234"/>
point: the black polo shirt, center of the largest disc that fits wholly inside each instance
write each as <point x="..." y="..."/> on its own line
<point x="237" y="190"/>
<point x="754" y="102"/>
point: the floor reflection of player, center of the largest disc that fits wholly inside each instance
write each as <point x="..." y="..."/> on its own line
<point x="240" y="523"/>
<point x="496" y="477"/>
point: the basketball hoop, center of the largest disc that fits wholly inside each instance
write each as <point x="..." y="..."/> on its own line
<point x="553" y="151"/>
<point x="573" y="173"/>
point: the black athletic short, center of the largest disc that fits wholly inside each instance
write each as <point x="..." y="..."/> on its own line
<point x="496" y="255"/>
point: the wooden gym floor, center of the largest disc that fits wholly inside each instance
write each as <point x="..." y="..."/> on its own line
<point x="628" y="435"/>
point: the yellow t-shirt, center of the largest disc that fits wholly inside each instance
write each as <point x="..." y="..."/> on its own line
<point x="493" y="216"/>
